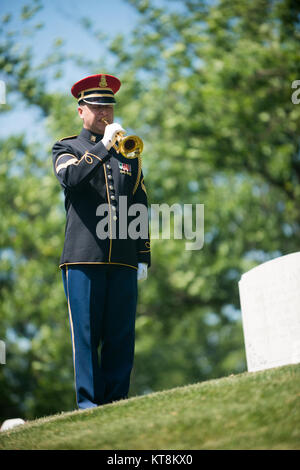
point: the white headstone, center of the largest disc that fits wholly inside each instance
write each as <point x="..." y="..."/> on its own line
<point x="11" y="423"/>
<point x="270" y="304"/>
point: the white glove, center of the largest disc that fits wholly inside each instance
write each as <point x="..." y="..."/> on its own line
<point x="110" y="134"/>
<point x="142" y="271"/>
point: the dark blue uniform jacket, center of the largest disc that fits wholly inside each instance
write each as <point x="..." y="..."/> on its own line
<point x="91" y="176"/>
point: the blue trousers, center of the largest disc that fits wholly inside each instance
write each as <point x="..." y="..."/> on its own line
<point x="102" y="303"/>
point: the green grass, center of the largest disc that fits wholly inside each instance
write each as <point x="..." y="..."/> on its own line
<point x="247" y="411"/>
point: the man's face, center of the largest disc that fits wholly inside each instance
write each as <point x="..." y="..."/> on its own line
<point x="92" y="115"/>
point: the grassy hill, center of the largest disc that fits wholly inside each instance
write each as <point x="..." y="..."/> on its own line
<point x="247" y="411"/>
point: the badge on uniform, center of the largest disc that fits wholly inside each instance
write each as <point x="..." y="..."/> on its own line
<point x="125" y="168"/>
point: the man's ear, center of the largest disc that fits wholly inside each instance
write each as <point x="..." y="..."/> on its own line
<point x="80" y="112"/>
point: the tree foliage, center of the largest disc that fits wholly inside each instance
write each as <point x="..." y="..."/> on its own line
<point x="207" y="85"/>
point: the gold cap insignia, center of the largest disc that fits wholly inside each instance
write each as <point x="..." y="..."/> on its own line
<point x="103" y="82"/>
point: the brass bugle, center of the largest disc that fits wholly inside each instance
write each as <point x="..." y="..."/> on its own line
<point x="127" y="145"/>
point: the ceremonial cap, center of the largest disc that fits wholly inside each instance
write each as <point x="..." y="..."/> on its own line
<point x="96" y="89"/>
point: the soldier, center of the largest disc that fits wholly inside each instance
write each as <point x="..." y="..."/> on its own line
<point x="100" y="273"/>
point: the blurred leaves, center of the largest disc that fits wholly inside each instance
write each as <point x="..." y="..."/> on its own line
<point x="207" y="85"/>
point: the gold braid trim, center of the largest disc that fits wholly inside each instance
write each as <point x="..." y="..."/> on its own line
<point x="143" y="185"/>
<point x="138" y="174"/>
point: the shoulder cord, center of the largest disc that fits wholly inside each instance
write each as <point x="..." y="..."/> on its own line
<point x="138" y="173"/>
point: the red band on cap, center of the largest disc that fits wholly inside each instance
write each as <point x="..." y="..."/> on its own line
<point x="99" y="81"/>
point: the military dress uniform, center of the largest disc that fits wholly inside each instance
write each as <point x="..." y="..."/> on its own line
<point x="100" y="273"/>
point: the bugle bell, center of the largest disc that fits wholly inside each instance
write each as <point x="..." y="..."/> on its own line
<point x="130" y="146"/>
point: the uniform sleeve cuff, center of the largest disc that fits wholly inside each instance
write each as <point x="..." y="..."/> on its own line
<point x="101" y="151"/>
<point x="144" y="258"/>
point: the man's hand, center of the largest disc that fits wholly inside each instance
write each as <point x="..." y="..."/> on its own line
<point x="110" y="134"/>
<point x="142" y="271"/>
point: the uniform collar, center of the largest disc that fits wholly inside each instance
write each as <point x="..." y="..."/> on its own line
<point x="90" y="136"/>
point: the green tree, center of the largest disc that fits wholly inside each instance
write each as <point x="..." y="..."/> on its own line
<point x="38" y="372"/>
<point x="207" y="85"/>
<point x="211" y="91"/>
